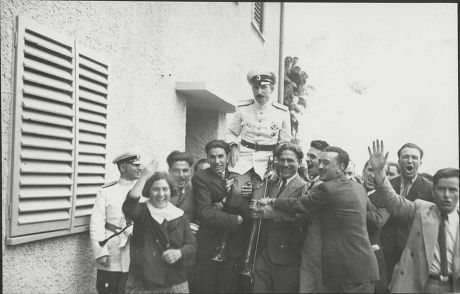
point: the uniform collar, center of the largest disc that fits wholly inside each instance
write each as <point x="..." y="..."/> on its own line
<point x="257" y="106"/>
<point x="124" y="182"/>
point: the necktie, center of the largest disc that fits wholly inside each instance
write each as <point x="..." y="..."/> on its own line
<point x="283" y="185"/>
<point x="405" y="189"/>
<point x="442" y="245"/>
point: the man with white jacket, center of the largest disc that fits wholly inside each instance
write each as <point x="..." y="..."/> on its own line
<point x="112" y="259"/>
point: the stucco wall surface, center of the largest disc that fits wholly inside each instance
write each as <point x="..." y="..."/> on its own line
<point x="150" y="45"/>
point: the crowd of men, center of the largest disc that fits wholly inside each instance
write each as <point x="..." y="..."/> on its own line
<point x="266" y="223"/>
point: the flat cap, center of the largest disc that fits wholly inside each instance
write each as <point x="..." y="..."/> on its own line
<point x="127" y="157"/>
<point x="261" y="76"/>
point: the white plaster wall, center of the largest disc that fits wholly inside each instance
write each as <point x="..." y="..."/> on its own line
<point x="386" y="71"/>
<point x="150" y="45"/>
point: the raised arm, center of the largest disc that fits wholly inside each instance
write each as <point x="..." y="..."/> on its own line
<point x="385" y="194"/>
<point x="131" y="207"/>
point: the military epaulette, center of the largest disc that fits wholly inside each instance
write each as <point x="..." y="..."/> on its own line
<point x="109" y="184"/>
<point x="280" y="106"/>
<point x="245" y="102"/>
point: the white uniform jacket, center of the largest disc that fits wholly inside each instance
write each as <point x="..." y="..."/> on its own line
<point x="107" y="209"/>
<point x="267" y="124"/>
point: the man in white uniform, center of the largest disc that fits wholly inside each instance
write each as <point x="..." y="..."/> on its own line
<point x="112" y="259"/>
<point x="261" y="123"/>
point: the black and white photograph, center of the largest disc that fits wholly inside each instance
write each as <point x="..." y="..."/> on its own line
<point x="229" y="147"/>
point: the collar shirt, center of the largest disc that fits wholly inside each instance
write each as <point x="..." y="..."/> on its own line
<point x="452" y="228"/>
<point x="288" y="180"/>
<point x="168" y="213"/>
<point x="267" y="124"/>
<point x="409" y="183"/>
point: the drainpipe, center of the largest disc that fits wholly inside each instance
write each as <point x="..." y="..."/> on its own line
<point x="281" y="58"/>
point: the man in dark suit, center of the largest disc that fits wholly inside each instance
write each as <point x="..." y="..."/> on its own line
<point x="209" y="189"/>
<point x="278" y="254"/>
<point x="347" y="261"/>
<point x="410" y="186"/>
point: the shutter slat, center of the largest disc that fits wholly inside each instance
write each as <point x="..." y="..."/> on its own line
<point x="47" y="69"/>
<point x="47" y="106"/>
<point x="93" y="117"/>
<point x="46" y="155"/>
<point x="85" y="179"/>
<point x="48" y="45"/>
<point x="92" y="148"/>
<point x="90" y="169"/>
<point x="46" y="130"/>
<point x="45" y="167"/>
<point x="30" y="89"/>
<point x="85" y="201"/>
<point x="46" y="143"/>
<point x="93" y="107"/>
<point x="92" y="76"/>
<point x="93" y="65"/>
<point x="92" y="86"/>
<point x="28" y="50"/>
<point x="46" y="81"/>
<point x="94" y="159"/>
<point x="87" y="189"/>
<point x="45" y="180"/>
<point x="49" y="216"/>
<point x="90" y="96"/>
<point x="45" y="118"/>
<point x="83" y="211"/>
<point x="42" y="192"/>
<point x="92" y="138"/>
<point x="93" y="128"/>
<point x="44" y="205"/>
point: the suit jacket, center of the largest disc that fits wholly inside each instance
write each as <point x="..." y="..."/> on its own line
<point x="208" y="189"/>
<point x="184" y="200"/>
<point x="394" y="232"/>
<point x="346" y="253"/>
<point x="281" y="234"/>
<point x="411" y="273"/>
<point x="147" y="264"/>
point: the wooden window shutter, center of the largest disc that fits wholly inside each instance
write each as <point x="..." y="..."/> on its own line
<point x="59" y="138"/>
<point x="44" y="130"/>
<point x="92" y="90"/>
<point x="259" y="15"/>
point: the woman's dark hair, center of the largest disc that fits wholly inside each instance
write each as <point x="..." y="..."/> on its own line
<point x="159" y="175"/>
